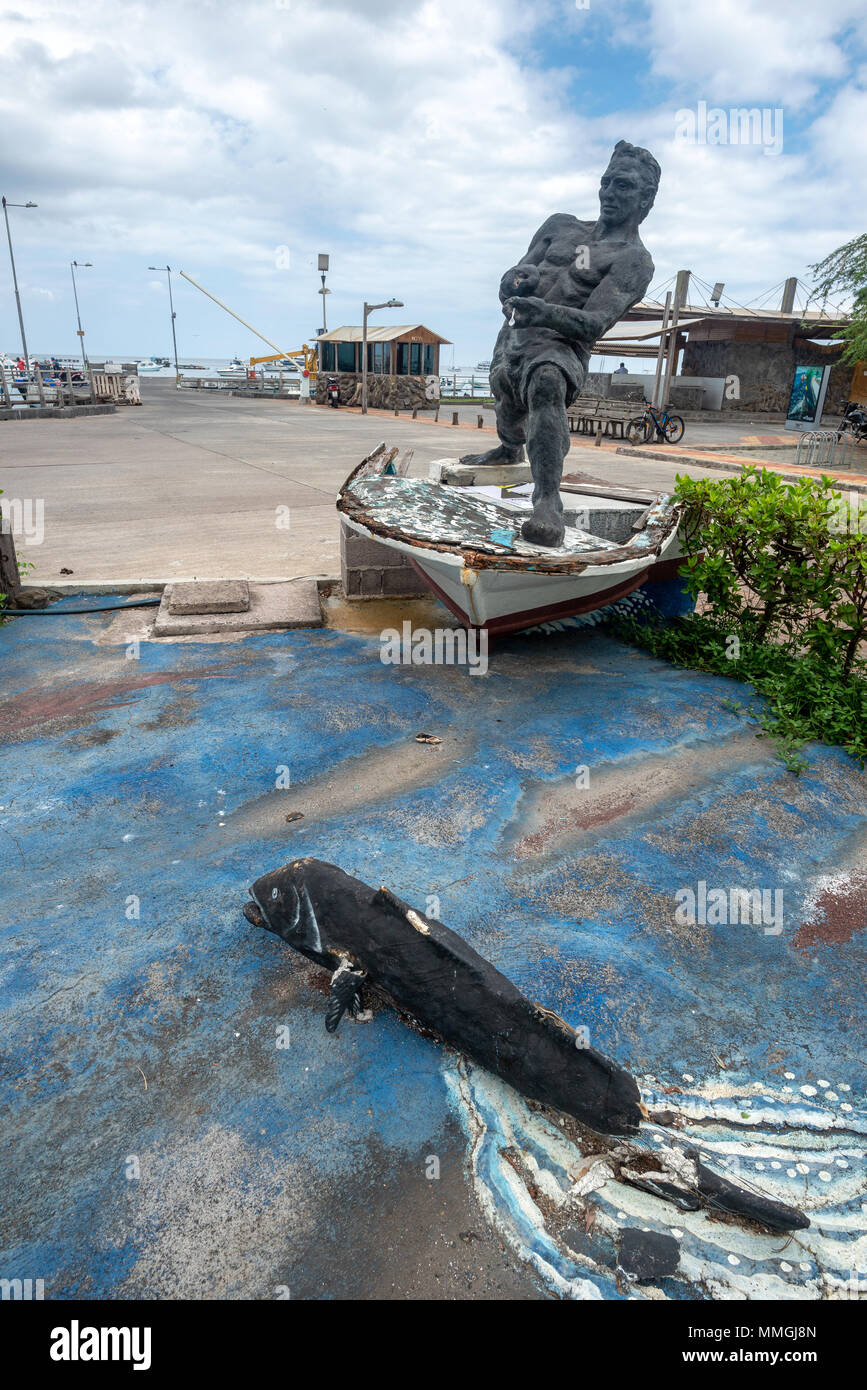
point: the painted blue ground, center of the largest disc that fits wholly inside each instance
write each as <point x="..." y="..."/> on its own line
<point x="241" y="1143"/>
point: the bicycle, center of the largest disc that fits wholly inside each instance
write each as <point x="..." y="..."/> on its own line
<point x="669" y="428"/>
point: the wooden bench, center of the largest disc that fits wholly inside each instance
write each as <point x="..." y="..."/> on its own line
<point x="598" y="415"/>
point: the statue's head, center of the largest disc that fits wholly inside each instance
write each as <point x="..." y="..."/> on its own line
<point x="629" y="184"/>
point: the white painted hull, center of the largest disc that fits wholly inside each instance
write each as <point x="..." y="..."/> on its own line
<point x="510" y="599"/>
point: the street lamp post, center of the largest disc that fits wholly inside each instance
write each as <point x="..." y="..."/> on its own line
<point x="323" y="266"/>
<point x="73" y="266"/>
<point x="168" y="270"/>
<point x="368" y="309"/>
<point x="15" y="277"/>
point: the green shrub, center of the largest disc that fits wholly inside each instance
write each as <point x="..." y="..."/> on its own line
<point x="782" y="570"/>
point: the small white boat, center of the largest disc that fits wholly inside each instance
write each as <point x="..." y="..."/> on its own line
<point x="235" y="368"/>
<point x="465" y="541"/>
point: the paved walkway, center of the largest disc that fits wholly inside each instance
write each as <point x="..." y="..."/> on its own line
<point x="197" y="485"/>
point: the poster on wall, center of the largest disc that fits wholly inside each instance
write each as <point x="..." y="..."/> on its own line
<point x="807" y="398"/>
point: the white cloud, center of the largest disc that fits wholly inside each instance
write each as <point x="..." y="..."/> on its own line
<point x="419" y="143"/>
<point x="764" y="51"/>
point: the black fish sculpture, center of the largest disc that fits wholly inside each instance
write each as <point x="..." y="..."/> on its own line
<point x="365" y="935"/>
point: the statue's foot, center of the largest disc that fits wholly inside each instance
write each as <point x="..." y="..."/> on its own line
<point x="545" y="526"/>
<point x="495" y="457"/>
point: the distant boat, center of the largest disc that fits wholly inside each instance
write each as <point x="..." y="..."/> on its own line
<point x="483" y="366"/>
<point x="235" y="368"/>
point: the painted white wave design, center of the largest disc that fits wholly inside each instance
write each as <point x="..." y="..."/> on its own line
<point x="807" y="1151"/>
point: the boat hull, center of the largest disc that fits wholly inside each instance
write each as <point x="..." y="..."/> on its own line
<point x="541" y="602"/>
<point x="510" y="600"/>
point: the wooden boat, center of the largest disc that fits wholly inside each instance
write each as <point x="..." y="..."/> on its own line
<point x="465" y="541"/>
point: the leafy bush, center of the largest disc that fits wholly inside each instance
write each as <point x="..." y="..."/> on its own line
<point x="782" y="571"/>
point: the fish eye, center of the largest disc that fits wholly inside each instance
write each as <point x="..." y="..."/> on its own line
<point x="273" y="892"/>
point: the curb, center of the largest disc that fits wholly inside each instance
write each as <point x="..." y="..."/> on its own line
<point x="730" y="465"/>
<point x="64" y="588"/>
<point x="56" y="412"/>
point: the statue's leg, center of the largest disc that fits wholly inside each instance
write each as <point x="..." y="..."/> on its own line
<point x="512" y="429"/>
<point x="547" y="447"/>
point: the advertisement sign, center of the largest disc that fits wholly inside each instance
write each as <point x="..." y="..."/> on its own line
<point x="807" y="398"/>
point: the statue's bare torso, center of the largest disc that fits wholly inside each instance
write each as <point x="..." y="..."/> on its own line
<point x="571" y="261"/>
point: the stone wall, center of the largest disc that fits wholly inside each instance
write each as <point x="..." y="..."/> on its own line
<point x="765" y="371"/>
<point x="597" y="384"/>
<point x="684" y="397"/>
<point x="383" y="392"/>
<point x="371" y="570"/>
<point x="625" y="390"/>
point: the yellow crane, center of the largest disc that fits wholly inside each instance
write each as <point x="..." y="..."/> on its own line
<point x="308" y="353"/>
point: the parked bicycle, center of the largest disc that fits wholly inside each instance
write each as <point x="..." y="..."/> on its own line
<point x="656" y="419"/>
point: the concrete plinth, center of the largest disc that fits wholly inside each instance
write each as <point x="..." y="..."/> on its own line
<point x="209" y="596"/>
<point x="271" y="607"/>
<point x="451" y="470"/>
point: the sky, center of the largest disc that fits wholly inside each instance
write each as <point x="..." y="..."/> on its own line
<point x="418" y="142"/>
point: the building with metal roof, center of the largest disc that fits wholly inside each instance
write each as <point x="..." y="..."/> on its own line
<point x="392" y="350"/>
<point x="755" y="348"/>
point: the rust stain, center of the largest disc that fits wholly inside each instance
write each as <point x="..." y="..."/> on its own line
<point x="610" y="809"/>
<point x="34" y="706"/>
<point x="839" y="911"/>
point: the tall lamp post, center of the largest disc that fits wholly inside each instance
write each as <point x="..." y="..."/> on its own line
<point x="323" y="266"/>
<point x="73" y="266"/>
<point x="15" y="277"/>
<point x="368" y="309"/>
<point x="168" y="270"/>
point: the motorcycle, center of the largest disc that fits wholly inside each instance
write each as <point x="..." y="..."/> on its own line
<point x="854" y="422"/>
<point x="332" y="391"/>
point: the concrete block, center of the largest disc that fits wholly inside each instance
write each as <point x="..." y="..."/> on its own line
<point x="272" y="607"/>
<point x="209" y="596"/>
<point x="403" y="582"/>
<point x="468" y="474"/>
<point x="370" y="582"/>
<point x="362" y="553"/>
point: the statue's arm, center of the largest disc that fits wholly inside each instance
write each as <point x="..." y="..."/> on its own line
<point x="518" y="279"/>
<point x="623" y="286"/>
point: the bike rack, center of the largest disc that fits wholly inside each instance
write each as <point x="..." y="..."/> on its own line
<point x="823" y="449"/>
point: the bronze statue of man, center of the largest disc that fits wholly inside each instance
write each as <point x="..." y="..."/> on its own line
<point x="576" y="280"/>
